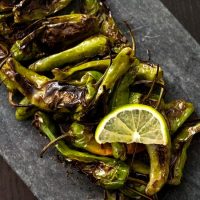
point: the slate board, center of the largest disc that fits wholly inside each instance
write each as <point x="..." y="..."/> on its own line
<point x="172" y="47"/>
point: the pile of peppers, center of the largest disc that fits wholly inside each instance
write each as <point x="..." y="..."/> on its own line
<point x="69" y="65"/>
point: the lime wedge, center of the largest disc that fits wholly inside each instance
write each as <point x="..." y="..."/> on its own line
<point x="133" y="123"/>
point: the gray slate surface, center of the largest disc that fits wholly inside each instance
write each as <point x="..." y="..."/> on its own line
<point x="172" y="47"/>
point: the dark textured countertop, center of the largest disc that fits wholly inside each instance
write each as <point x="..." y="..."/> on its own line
<point x="12" y="188"/>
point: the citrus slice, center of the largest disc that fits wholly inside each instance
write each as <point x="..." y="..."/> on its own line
<point x="133" y="123"/>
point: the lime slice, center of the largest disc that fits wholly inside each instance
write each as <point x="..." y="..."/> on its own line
<point x="133" y="123"/>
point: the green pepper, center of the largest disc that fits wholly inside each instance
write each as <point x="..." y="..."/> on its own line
<point x="5" y="78"/>
<point x="47" y="127"/>
<point x="177" y="112"/>
<point x="159" y="167"/>
<point x="23" y="113"/>
<point x="54" y="35"/>
<point x="180" y="146"/>
<point x="82" y="137"/>
<point x="121" y="91"/>
<point x="107" y="172"/>
<point x="94" y="46"/>
<point x="85" y="77"/>
<point x="28" y="10"/>
<point x="108" y="27"/>
<point x="100" y="65"/>
<point x="120" y="97"/>
<point x="108" y="175"/>
<point x="91" y="7"/>
<point x="121" y="64"/>
<point x="147" y="71"/>
<point x="36" y="79"/>
<point x="48" y="95"/>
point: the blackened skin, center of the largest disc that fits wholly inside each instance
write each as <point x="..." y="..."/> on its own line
<point x="60" y="96"/>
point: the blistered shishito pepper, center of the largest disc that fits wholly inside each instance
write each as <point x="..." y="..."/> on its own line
<point x="107" y="23"/>
<point x="159" y="167"/>
<point x="89" y="48"/>
<point x="99" y="65"/>
<point x="177" y="112"/>
<point x="53" y="35"/>
<point x="180" y="146"/>
<point x="81" y="137"/>
<point x="121" y="92"/>
<point x="107" y="172"/>
<point x="28" y="10"/>
<point x="23" y="113"/>
<point x="44" y="94"/>
<point x="147" y="71"/>
<point x="86" y="78"/>
<point x="121" y="64"/>
<point x="107" y="175"/>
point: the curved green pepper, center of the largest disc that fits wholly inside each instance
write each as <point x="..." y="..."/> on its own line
<point x="100" y="65"/>
<point x="180" y="146"/>
<point x="28" y="10"/>
<point x="177" y="112"/>
<point x="121" y="64"/>
<point x="159" y="167"/>
<point x="94" y="46"/>
<point x="54" y="35"/>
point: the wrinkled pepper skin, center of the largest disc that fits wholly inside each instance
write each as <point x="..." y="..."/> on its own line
<point x="177" y="112"/>
<point x="24" y="113"/>
<point x="121" y="64"/>
<point x="107" y="175"/>
<point x="46" y="95"/>
<point x="28" y="10"/>
<point x="99" y="65"/>
<point x="108" y="27"/>
<point x="159" y="167"/>
<point x="180" y="146"/>
<point x="107" y="172"/>
<point x="48" y="128"/>
<point x="147" y="71"/>
<point x="89" y="48"/>
<point x="55" y="34"/>
<point x="82" y="138"/>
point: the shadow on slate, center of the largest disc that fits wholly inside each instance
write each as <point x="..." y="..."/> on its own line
<point x="173" y="48"/>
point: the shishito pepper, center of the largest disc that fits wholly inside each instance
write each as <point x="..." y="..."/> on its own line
<point x="28" y="10"/>
<point x="107" y="24"/>
<point x="121" y="64"/>
<point x="180" y="146"/>
<point x="44" y="94"/>
<point x="54" y="34"/>
<point x="159" y="167"/>
<point x="107" y="172"/>
<point x="99" y="65"/>
<point x="89" y="48"/>
<point x="177" y="112"/>
<point x="23" y="113"/>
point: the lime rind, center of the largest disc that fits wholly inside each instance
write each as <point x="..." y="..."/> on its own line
<point x="133" y="123"/>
